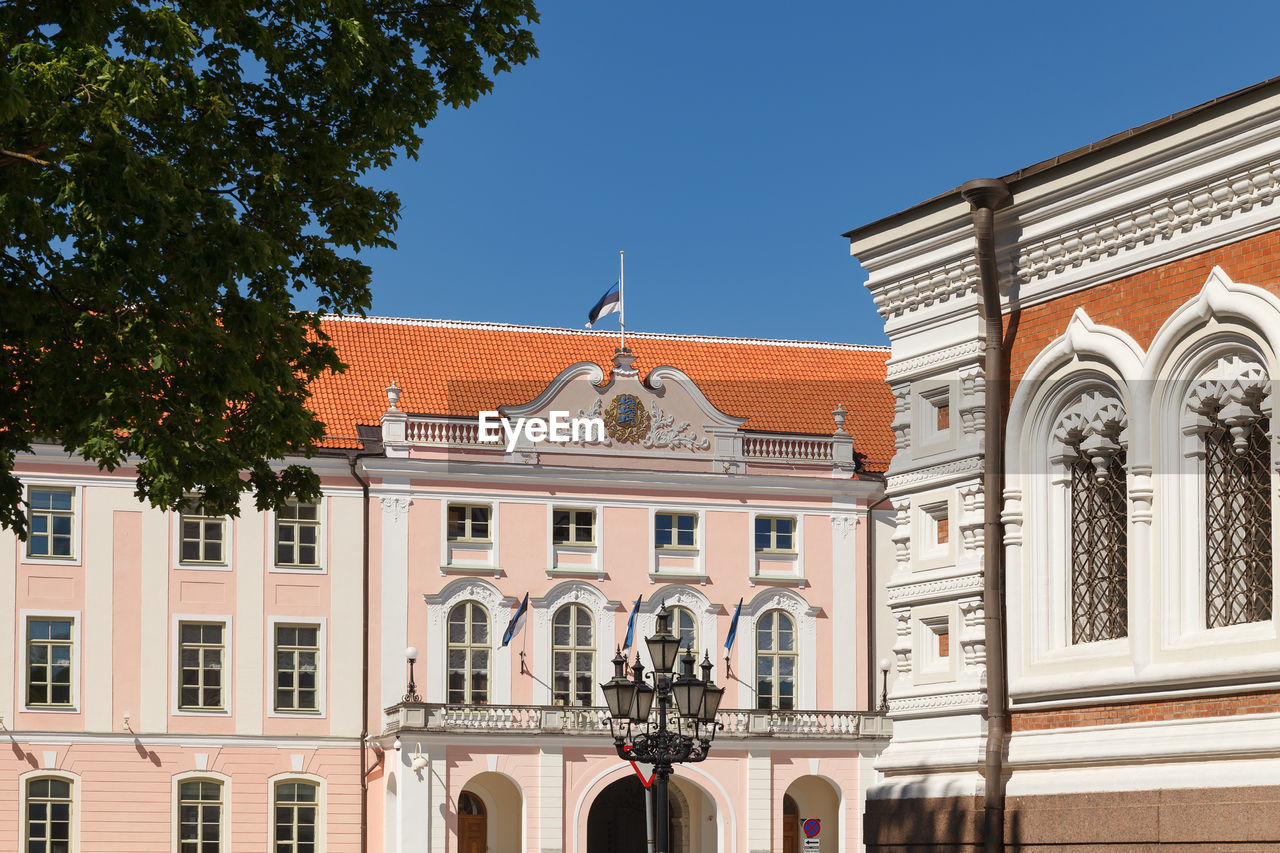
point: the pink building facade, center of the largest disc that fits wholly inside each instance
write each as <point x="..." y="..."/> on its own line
<point x="190" y="683"/>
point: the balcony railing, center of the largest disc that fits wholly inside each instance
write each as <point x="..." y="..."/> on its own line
<point x="464" y="433"/>
<point x="535" y="719"/>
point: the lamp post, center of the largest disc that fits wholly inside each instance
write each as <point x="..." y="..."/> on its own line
<point x="685" y="723"/>
<point x="884" y="684"/>
<point x="411" y="691"/>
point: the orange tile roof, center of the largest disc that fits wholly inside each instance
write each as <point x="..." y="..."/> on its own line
<point x="457" y="369"/>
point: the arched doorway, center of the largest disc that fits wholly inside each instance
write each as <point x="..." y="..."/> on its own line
<point x="472" y="824"/>
<point x="815" y="798"/>
<point x="616" y="822"/>
<point x="498" y="798"/>
<point x="790" y="825"/>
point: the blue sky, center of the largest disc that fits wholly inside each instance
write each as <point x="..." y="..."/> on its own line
<point x="727" y="145"/>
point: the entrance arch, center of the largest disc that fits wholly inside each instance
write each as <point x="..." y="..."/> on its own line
<point x="616" y="819"/>
<point x="500" y="813"/>
<point x="815" y="797"/>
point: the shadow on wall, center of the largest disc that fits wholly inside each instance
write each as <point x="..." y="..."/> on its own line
<point x="933" y="825"/>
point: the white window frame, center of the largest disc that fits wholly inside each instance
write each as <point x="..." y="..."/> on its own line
<point x="322" y="667"/>
<point x="541" y="612"/>
<point x="228" y="544"/>
<point x="927" y="551"/>
<point x="43" y="773"/>
<point x="322" y="807"/>
<point x="322" y="542"/>
<point x="926" y="439"/>
<point x="77" y="653"/>
<point x="773" y="533"/>
<point x="174" y="799"/>
<point x="697" y="553"/>
<point x="469" y="505"/>
<point x="77" y="522"/>
<point x="806" y="621"/>
<point x="473" y="564"/>
<point x="595" y="527"/>
<point x="929" y="621"/>
<point x="500" y="609"/>
<point x="228" y="664"/>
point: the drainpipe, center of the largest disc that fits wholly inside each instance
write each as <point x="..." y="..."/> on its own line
<point x="364" y="657"/>
<point x="985" y="197"/>
<point x="872" y="666"/>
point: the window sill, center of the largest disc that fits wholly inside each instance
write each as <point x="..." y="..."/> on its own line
<point x="299" y="570"/>
<point x="685" y="577"/>
<point x="294" y="715"/>
<point x="193" y="566"/>
<point x="50" y="709"/>
<point x="456" y="569"/>
<point x="576" y="572"/>
<point x="678" y="550"/>
<point x="50" y="561"/>
<point x="580" y="547"/>
<point x="798" y="581"/>
<point x="197" y="712"/>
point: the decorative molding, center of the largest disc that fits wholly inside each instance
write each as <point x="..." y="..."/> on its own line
<point x="908" y="367"/>
<point x="665" y="432"/>
<point x="1157" y="220"/>
<point x="844" y="524"/>
<point x="928" y="590"/>
<point x="949" y="470"/>
<point x="396" y="507"/>
<point x="937" y="702"/>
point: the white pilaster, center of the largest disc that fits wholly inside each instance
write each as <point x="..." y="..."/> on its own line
<point x="551" y="799"/>
<point x="250" y="557"/>
<point x="153" y="713"/>
<point x="395" y="595"/>
<point x="848" y="620"/>
<point x="99" y="594"/>
<point x="8" y="624"/>
<point x="759" y="801"/>
<point x="346" y="568"/>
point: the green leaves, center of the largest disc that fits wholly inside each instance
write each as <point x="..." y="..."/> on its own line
<point x="171" y="177"/>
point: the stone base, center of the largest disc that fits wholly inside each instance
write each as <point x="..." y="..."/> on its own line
<point x="1218" y="819"/>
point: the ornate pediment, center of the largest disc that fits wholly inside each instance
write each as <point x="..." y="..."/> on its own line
<point x="666" y="411"/>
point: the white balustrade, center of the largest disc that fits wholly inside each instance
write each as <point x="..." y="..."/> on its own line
<point x="787" y="449"/>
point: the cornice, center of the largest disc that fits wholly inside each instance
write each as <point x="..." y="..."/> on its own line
<point x="952" y="587"/>
<point x="898" y="370"/>
<point x="1183" y="220"/>
<point x="934" y="474"/>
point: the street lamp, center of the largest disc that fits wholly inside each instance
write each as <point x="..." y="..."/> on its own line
<point x="884" y="684"/>
<point x="411" y="690"/>
<point x="686" y="720"/>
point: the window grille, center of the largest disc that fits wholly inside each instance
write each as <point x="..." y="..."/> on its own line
<point x="1238" y="554"/>
<point x="1099" y="549"/>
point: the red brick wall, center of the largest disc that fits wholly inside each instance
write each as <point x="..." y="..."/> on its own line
<point x="1139" y="304"/>
<point x="1143" y="712"/>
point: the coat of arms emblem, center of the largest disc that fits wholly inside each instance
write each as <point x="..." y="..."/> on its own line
<point x="625" y="420"/>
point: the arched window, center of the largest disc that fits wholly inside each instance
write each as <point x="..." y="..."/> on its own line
<point x="200" y="816"/>
<point x="776" y="661"/>
<point x="573" y="653"/>
<point x="296" y="817"/>
<point x="470" y="804"/>
<point x="1237" y="495"/>
<point x="684" y="626"/>
<point x="469" y="648"/>
<point x="48" y="819"/>
<point x="1093" y="436"/>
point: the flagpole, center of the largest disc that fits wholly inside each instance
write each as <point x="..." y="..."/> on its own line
<point x="622" y="302"/>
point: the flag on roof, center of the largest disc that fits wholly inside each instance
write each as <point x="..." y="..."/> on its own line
<point x="610" y="303"/>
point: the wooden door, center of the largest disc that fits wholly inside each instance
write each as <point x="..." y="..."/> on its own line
<point x="472" y="825"/>
<point x="790" y="826"/>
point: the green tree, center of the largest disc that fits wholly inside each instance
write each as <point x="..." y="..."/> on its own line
<point x="173" y="175"/>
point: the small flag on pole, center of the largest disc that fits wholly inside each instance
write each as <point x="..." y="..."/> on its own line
<point x="513" y="627"/>
<point x="610" y="303"/>
<point x="733" y="630"/>
<point x="631" y="624"/>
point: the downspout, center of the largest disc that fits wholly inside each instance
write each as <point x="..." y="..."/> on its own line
<point x="872" y="663"/>
<point x="364" y="656"/>
<point x="985" y="197"/>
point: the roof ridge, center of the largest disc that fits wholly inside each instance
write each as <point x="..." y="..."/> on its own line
<point x="555" y="330"/>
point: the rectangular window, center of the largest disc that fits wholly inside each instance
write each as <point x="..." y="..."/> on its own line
<point x="298" y="535"/>
<point x="775" y="534"/>
<point x="297" y="657"/>
<point x="573" y="527"/>
<point x="49" y="648"/>
<point x="200" y="817"/>
<point x="48" y="823"/>
<point x="203" y="535"/>
<point x="200" y="655"/>
<point x="468" y="523"/>
<point x="51" y="520"/>
<point x="296" y="817"/>
<point x="675" y="530"/>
